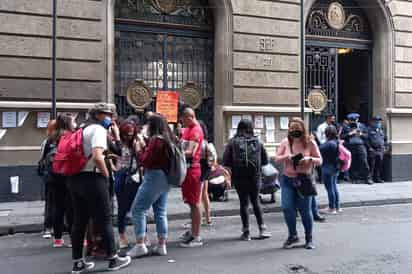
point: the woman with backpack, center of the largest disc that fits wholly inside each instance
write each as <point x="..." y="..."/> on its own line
<point x="245" y="155"/>
<point x="62" y="205"/>
<point x="155" y="159"/>
<point x="127" y="177"/>
<point x="330" y="168"/>
<point x="299" y="154"/>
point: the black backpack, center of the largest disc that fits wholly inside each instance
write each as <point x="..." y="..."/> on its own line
<point x="246" y="156"/>
<point x="45" y="166"/>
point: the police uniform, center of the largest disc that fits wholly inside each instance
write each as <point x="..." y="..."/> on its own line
<point x="376" y="143"/>
<point x="357" y="144"/>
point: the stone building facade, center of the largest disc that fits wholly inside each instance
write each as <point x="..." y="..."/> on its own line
<point x="254" y="68"/>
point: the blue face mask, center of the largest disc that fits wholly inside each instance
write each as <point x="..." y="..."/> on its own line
<point x="377" y="125"/>
<point x="106" y="123"/>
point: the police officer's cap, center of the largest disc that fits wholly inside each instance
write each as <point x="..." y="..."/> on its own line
<point x="353" y="116"/>
<point x="377" y="118"/>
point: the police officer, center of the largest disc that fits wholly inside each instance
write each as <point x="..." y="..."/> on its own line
<point x="376" y="143"/>
<point x="355" y="136"/>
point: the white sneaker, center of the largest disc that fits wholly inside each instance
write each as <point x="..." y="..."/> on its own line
<point x="47" y="234"/>
<point x="192" y="242"/>
<point x="138" y="251"/>
<point x="160" y="250"/>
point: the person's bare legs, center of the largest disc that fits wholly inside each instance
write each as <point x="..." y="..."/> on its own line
<point x="206" y="202"/>
<point x="196" y="215"/>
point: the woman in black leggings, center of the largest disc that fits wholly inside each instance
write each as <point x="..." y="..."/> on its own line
<point x="245" y="155"/>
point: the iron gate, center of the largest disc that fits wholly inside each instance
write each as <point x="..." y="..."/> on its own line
<point x="322" y="71"/>
<point x="165" y="59"/>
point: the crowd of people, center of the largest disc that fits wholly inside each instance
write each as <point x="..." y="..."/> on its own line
<point x="130" y="160"/>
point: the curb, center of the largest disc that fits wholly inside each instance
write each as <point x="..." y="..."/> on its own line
<point x="37" y="227"/>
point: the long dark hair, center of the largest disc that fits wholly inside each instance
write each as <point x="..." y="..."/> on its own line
<point x="331" y="133"/>
<point x="157" y="126"/>
<point x="245" y="128"/>
<point x="64" y="123"/>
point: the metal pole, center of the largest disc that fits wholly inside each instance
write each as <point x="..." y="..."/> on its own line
<point x="54" y="109"/>
<point x="302" y="62"/>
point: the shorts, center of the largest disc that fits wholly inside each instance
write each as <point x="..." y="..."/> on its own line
<point x="192" y="187"/>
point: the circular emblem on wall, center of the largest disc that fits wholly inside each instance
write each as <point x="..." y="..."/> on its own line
<point x="317" y="100"/>
<point x="190" y="95"/>
<point x="336" y="16"/>
<point x="138" y="95"/>
<point x="165" y="6"/>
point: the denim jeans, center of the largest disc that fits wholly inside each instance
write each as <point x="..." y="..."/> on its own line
<point x="330" y="180"/>
<point x="152" y="193"/>
<point x="314" y="206"/>
<point x="291" y="201"/>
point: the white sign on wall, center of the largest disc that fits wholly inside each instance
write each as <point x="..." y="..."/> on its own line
<point x="9" y="119"/>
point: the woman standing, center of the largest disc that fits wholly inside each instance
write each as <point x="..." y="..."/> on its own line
<point x="330" y="170"/>
<point x="155" y="159"/>
<point x="58" y="185"/>
<point x="245" y="155"/>
<point x="204" y="165"/>
<point x="127" y="177"/>
<point x="299" y="154"/>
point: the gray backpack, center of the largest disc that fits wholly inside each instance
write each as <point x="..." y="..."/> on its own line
<point x="177" y="166"/>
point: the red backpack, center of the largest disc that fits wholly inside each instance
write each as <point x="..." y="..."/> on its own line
<point x="70" y="159"/>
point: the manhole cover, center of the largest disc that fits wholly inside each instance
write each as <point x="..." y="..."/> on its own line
<point x="296" y="268"/>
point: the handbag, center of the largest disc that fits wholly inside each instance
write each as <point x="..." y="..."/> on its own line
<point x="133" y="175"/>
<point x="304" y="183"/>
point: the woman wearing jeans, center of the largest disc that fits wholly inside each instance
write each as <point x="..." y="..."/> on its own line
<point x="298" y="143"/>
<point x="330" y="171"/>
<point x="155" y="187"/>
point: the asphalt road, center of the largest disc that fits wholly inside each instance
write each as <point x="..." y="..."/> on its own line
<point x="370" y="240"/>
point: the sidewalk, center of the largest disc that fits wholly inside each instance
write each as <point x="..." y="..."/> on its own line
<point x="22" y="217"/>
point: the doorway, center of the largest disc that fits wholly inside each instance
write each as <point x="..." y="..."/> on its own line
<point x="354" y="83"/>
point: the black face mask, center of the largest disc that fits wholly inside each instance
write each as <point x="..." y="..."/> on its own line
<point x="296" y="134"/>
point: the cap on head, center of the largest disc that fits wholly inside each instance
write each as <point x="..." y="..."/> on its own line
<point x="377" y="118"/>
<point x="103" y="108"/>
<point x="353" y="116"/>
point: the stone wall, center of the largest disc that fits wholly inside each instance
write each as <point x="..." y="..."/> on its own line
<point x="25" y="75"/>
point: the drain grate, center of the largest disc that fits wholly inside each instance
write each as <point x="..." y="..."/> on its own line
<point x="296" y="268"/>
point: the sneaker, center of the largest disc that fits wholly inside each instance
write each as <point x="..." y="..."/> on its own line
<point x="263" y="233"/>
<point x="192" y="242"/>
<point x="340" y="210"/>
<point x="245" y="236"/>
<point x="47" y="234"/>
<point x="369" y="182"/>
<point x="319" y="218"/>
<point x="328" y="211"/>
<point x="138" y="251"/>
<point x="81" y="266"/>
<point x="309" y="243"/>
<point x="117" y="262"/>
<point x="57" y="243"/>
<point x="291" y="242"/>
<point x="185" y="236"/>
<point x="160" y="250"/>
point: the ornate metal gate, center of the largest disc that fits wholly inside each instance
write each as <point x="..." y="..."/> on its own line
<point x="167" y="49"/>
<point x="321" y="71"/>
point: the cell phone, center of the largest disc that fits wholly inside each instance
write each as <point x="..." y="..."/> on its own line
<point x="296" y="158"/>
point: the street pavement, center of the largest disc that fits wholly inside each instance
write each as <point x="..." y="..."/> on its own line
<point x="364" y="240"/>
<point x="28" y="216"/>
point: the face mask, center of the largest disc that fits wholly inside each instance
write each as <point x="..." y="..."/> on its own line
<point x="106" y="123"/>
<point x="377" y="125"/>
<point x="296" y="134"/>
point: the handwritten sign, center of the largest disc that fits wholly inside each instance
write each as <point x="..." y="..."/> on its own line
<point x="167" y="105"/>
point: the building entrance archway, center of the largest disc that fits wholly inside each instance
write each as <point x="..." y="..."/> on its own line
<point x="350" y="34"/>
